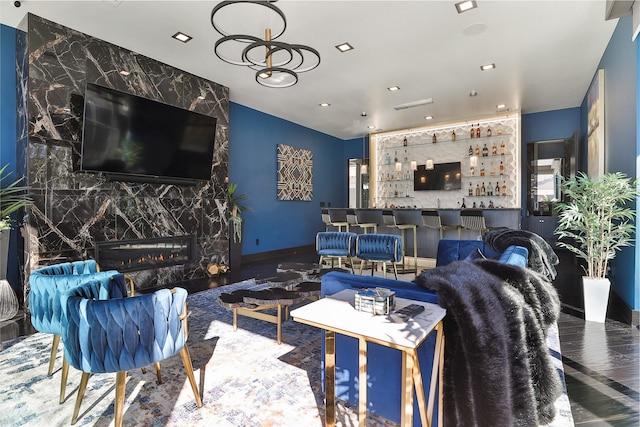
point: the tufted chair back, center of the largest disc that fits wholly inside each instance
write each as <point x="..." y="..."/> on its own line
<point x="117" y="335"/>
<point x="336" y="244"/>
<point x="380" y="248"/>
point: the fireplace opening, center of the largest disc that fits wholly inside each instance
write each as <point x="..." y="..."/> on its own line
<point x="142" y="254"/>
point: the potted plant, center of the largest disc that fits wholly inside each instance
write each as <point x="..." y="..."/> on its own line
<point x="12" y="198"/>
<point x="594" y="224"/>
<point x="236" y="207"/>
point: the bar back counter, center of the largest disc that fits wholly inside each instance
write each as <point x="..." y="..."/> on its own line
<point x="428" y="238"/>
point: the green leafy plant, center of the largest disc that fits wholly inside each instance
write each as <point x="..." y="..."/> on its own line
<point x="597" y="220"/>
<point x="12" y="197"/>
<point x="236" y="207"/>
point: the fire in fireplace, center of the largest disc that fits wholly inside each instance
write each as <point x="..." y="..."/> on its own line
<point x="142" y="254"/>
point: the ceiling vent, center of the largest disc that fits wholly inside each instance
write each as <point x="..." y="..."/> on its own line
<point x="413" y="104"/>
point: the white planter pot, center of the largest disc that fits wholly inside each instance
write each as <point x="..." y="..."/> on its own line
<point x="596" y="298"/>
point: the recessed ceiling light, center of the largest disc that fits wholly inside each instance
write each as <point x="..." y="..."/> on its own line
<point x="125" y="72"/>
<point x="488" y="67"/>
<point x="324" y="104"/>
<point x="371" y="127"/>
<point x="501" y="106"/>
<point x="181" y="37"/>
<point x="464" y="6"/>
<point x="429" y="117"/>
<point x="473" y="93"/>
<point x="393" y="88"/>
<point x="344" y="47"/>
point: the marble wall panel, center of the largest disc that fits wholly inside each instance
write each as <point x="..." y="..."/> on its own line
<point x="74" y="210"/>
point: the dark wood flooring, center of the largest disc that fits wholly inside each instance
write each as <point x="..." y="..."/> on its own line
<point x="601" y="361"/>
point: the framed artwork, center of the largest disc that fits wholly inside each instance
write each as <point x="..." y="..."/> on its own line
<point x="595" y="126"/>
<point x="295" y="173"/>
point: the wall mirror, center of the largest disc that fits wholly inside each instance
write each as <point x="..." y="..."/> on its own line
<point x="358" y="183"/>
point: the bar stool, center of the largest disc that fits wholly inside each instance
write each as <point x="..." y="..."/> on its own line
<point x="473" y="219"/>
<point x="352" y="219"/>
<point x="390" y="220"/>
<point x="431" y="219"/>
<point x="339" y="219"/>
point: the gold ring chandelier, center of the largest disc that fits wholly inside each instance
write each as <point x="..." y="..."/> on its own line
<point x="277" y="64"/>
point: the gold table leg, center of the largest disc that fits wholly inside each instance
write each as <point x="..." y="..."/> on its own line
<point x="362" y="379"/>
<point x="330" y="378"/>
<point x="406" y="402"/>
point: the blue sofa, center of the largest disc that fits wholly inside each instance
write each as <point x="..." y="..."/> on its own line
<point x="384" y="364"/>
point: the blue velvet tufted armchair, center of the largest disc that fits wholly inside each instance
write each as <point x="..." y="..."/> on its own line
<point x="117" y="335"/>
<point x="336" y="244"/>
<point x="380" y="248"/>
<point x="47" y="285"/>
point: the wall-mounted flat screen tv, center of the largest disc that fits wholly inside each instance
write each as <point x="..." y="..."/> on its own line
<point x="134" y="138"/>
<point x="443" y="176"/>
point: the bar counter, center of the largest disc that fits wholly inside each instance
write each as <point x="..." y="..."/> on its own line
<point x="428" y="238"/>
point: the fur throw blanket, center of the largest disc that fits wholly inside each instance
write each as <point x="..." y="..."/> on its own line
<point x="498" y="371"/>
<point x="542" y="258"/>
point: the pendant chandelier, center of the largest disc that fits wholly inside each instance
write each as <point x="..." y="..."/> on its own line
<point x="249" y="31"/>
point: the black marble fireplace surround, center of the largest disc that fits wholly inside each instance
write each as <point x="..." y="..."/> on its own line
<point x="75" y="211"/>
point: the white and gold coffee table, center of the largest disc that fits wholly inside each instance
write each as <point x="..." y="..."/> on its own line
<point x="336" y="314"/>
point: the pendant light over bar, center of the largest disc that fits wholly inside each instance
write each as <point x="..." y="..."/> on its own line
<point x="249" y="29"/>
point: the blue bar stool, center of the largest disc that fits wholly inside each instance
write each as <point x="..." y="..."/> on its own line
<point x="352" y="219"/>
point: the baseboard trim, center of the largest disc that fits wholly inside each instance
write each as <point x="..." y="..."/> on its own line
<point x="621" y="311"/>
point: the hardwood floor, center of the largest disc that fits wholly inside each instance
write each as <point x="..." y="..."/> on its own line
<point x="601" y="361"/>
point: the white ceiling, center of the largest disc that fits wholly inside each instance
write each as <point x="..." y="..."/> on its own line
<point x="546" y="53"/>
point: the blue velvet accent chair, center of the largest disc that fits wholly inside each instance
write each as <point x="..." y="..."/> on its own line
<point x="47" y="285"/>
<point x="117" y="335"/>
<point x="336" y="244"/>
<point x="380" y="248"/>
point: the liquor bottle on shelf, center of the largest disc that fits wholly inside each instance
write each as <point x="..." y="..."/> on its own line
<point x="485" y="151"/>
<point x="434" y="139"/>
<point x="490" y="204"/>
<point x="387" y="159"/>
<point x="472" y="132"/>
<point x="453" y="135"/>
<point x="463" y="206"/>
<point x="502" y="148"/>
<point x="396" y="191"/>
<point x="395" y="159"/>
<point x="478" y="131"/>
<point x="474" y="205"/>
<point x="489" y="189"/>
<point x="482" y="171"/>
<point x="477" y="151"/>
<point x="470" y="151"/>
<point x="404" y="141"/>
<point x="492" y="169"/>
<point x="499" y="130"/>
<point x="496" y="190"/>
<point x="489" y="131"/>
<point x="477" y="189"/>
<point x="470" y="189"/>
<point x="501" y="168"/>
<point x="472" y="170"/>
<point x="405" y="156"/>
<point x="482" y="206"/>
<point x="483" y="190"/>
<point x="504" y="188"/>
<point x="494" y="149"/>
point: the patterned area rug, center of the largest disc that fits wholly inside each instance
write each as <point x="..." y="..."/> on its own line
<point x="245" y="377"/>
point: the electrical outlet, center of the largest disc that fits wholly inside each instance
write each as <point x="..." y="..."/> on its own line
<point x="257" y="242"/>
<point x="322" y="204"/>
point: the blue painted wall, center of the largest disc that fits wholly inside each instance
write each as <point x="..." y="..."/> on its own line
<point x="548" y="125"/>
<point x="8" y="131"/>
<point x="619" y="62"/>
<point x="253" y="140"/>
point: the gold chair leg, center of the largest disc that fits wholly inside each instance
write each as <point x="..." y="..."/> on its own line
<point x="63" y="380"/>
<point x="54" y="352"/>
<point x="188" y="367"/>
<point x="121" y="382"/>
<point x="81" y="390"/>
<point x="384" y="269"/>
<point x="158" y="374"/>
<point x="395" y="270"/>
